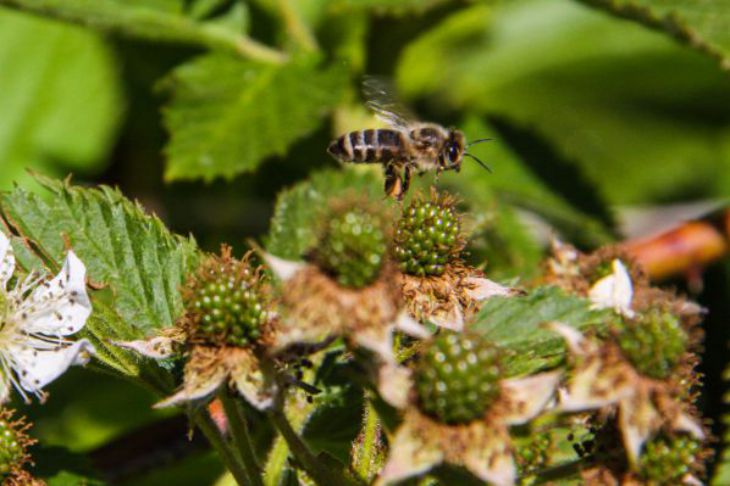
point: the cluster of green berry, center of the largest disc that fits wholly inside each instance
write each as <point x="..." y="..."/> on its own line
<point x="667" y="460"/>
<point x="654" y="343"/>
<point x="352" y="247"/>
<point x="457" y="377"/>
<point x="427" y="237"/>
<point x="227" y="305"/>
<point x="12" y="447"/>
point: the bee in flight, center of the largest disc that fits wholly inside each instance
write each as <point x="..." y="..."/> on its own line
<point x="405" y="147"/>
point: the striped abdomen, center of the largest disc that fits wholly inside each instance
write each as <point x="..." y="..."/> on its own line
<point x="371" y="145"/>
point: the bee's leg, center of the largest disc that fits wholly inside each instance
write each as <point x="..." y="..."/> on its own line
<point x="393" y="183"/>
<point x="407" y="171"/>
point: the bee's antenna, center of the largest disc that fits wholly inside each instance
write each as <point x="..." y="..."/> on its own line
<point x="479" y="162"/>
<point x="478" y="141"/>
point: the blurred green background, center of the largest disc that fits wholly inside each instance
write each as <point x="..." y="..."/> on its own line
<point x="593" y="106"/>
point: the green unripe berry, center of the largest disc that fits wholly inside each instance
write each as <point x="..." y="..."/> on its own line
<point x="12" y="447"/>
<point x="226" y="303"/>
<point x="352" y="246"/>
<point x="654" y="343"/>
<point x="457" y="378"/>
<point x="427" y="237"/>
<point x="666" y="460"/>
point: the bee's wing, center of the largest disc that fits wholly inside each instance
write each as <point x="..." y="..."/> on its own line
<point x="381" y="98"/>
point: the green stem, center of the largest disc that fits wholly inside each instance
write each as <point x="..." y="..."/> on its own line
<point x="202" y="420"/>
<point x="366" y="455"/>
<point x="149" y="24"/>
<point x="240" y="435"/>
<point x="319" y="472"/>
<point x="296" y="27"/>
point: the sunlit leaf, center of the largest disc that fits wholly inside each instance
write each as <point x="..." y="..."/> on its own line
<point x="227" y="115"/>
<point x="702" y="25"/>
<point x="60" y="97"/>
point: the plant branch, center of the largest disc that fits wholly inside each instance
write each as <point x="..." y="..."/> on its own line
<point x="241" y="438"/>
<point x="366" y="454"/>
<point x="149" y="24"/>
<point x="202" y="420"/>
<point x="318" y="471"/>
<point x="298" y="30"/>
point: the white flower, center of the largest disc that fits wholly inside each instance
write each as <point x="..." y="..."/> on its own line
<point x="35" y="317"/>
<point x="614" y="291"/>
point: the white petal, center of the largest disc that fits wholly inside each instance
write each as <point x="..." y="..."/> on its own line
<point x="410" y="326"/>
<point x="573" y="337"/>
<point x="283" y="269"/>
<point x="377" y="340"/>
<point x="394" y="384"/>
<point x="686" y="423"/>
<point x="194" y="391"/>
<point x="453" y="320"/>
<point x="7" y="260"/>
<point x="638" y="421"/>
<point x="61" y="306"/>
<point x="409" y="455"/>
<point x="489" y="457"/>
<point x="255" y="390"/>
<point x="613" y="291"/>
<point x="482" y="288"/>
<point x="36" y="367"/>
<point x="158" y="347"/>
<point x="529" y="396"/>
<point x="4" y="389"/>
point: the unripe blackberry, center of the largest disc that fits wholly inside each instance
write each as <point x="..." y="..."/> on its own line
<point x="667" y="460"/>
<point x="427" y="236"/>
<point x="352" y="246"/>
<point x="457" y="378"/>
<point x="226" y="303"/>
<point x="13" y="443"/>
<point x="654" y="343"/>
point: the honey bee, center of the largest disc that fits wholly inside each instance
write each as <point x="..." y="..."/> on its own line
<point x="405" y="147"/>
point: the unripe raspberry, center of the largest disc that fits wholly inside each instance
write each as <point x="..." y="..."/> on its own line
<point x="427" y="236"/>
<point x="667" y="460"/>
<point x="457" y="378"/>
<point x="654" y="343"/>
<point x="352" y="246"/>
<point x="225" y="302"/>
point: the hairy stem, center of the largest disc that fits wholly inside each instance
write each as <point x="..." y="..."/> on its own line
<point x="240" y="436"/>
<point x="316" y="469"/>
<point x="149" y="24"/>
<point x="365" y="455"/>
<point x="202" y="420"/>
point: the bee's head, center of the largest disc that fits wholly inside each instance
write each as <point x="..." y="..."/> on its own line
<point x="453" y="150"/>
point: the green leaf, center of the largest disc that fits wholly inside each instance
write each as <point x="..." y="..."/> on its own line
<point x="702" y="25"/>
<point x="129" y="253"/>
<point x="643" y="117"/>
<point x="153" y="20"/>
<point x="516" y="324"/>
<point x="293" y="225"/>
<point x="60" y="96"/>
<point x="227" y="115"/>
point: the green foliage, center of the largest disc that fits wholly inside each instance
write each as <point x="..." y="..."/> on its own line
<point x="61" y="100"/>
<point x="516" y="324"/>
<point x="226" y="115"/>
<point x="294" y="224"/>
<point x="704" y="26"/>
<point x="636" y="140"/>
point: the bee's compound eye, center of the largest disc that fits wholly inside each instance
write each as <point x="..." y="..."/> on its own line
<point x="453" y="152"/>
